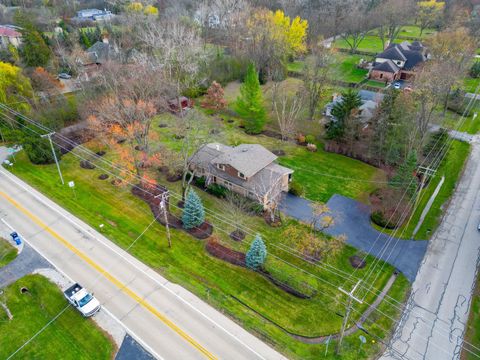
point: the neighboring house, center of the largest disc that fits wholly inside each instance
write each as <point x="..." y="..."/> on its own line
<point x="93" y="15"/>
<point x="398" y="61"/>
<point x="101" y="52"/>
<point x="9" y="35"/>
<point x="370" y="101"/>
<point x="247" y="169"/>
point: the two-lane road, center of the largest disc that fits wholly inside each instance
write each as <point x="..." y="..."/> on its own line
<point x="434" y="322"/>
<point x="173" y="322"/>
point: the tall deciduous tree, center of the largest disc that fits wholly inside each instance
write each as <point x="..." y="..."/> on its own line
<point x="15" y="89"/>
<point x="287" y="111"/>
<point x="355" y="27"/>
<point x="390" y="16"/>
<point x="257" y="254"/>
<point x="249" y="104"/>
<point x="428" y="13"/>
<point x="317" y="76"/>
<point x="193" y="211"/>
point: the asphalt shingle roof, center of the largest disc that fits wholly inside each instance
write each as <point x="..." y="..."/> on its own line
<point x="387" y="66"/>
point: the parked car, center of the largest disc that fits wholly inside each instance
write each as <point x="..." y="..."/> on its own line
<point x="16" y="238"/>
<point x="397" y="85"/>
<point x="84" y="301"/>
<point x="64" y="76"/>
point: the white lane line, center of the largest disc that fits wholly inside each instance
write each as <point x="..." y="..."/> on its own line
<point x="127" y="329"/>
<point x="67" y="216"/>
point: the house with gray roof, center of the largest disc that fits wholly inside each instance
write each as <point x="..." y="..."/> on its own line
<point x="247" y="169"/>
<point x="398" y="61"/>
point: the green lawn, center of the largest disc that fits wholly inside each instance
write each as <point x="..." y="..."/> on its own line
<point x="413" y="31"/>
<point x="470" y="84"/>
<point x="346" y="68"/>
<point x="472" y="331"/>
<point x="371" y="43"/>
<point x="7" y="252"/>
<point x="296" y="66"/>
<point x="469" y="125"/>
<point x="451" y="167"/>
<point x="70" y="336"/>
<point x="377" y="84"/>
<point x="217" y="282"/>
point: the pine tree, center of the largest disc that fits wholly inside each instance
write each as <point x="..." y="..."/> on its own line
<point x="193" y="212"/>
<point x="249" y="104"/>
<point x="257" y="254"/>
<point x="341" y="111"/>
<point x="34" y="50"/>
<point x="405" y="178"/>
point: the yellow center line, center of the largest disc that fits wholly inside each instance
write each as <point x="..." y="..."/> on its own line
<point x="111" y="278"/>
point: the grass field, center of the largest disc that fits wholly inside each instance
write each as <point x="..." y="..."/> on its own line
<point x="470" y="125"/>
<point x="472" y="330"/>
<point x="7" y="252"/>
<point x="70" y="336"/>
<point x="215" y="281"/>
<point x="346" y="68"/>
<point x="470" y="84"/>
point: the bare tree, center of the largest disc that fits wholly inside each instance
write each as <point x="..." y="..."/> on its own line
<point x="237" y="207"/>
<point x="316" y="76"/>
<point x="390" y="16"/>
<point x="321" y="218"/>
<point x="268" y="191"/>
<point x="287" y="112"/>
<point x="355" y="27"/>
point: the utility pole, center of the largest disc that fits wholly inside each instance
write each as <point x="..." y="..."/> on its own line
<point x="163" y="208"/>
<point x="49" y="136"/>
<point x="425" y="171"/>
<point x="348" y="309"/>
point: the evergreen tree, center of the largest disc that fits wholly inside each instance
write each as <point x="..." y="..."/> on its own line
<point x="257" y="254"/>
<point x="405" y="178"/>
<point x="249" y="104"/>
<point x="341" y="111"/>
<point x="193" y="211"/>
<point x="34" y="50"/>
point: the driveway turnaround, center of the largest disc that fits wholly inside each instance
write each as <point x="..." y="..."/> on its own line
<point x="172" y="322"/>
<point x="433" y="324"/>
<point x="352" y="218"/>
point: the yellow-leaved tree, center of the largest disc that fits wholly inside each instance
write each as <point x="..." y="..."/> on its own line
<point x="428" y="13"/>
<point x="293" y="32"/>
<point x="135" y="6"/>
<point x="15" y="88"/>
<point x="150" y="10"/>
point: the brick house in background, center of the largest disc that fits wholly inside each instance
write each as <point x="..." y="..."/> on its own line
<point x="398" y="61"/>
<point x="9" y="35"/>
<point x="247" y="169"/>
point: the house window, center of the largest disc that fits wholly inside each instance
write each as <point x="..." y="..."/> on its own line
<point x="381" y="75"/>
<point x="241" y="175"/>
<point x="221" y="167"/>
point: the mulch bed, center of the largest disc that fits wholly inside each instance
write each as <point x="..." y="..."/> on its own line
<point x="275" y="223"/>
<point x="230" y="121"/>
<point x="103" y="177"/>
<point x="162" y="125"/>
<point x="288" y="289"/>
<point x="85" y="164"/>
<point x="272" y="134"/>
<point x="116" y="182"/>
<point x="214" y="131"/>
<point x="100" y="153"/>
<point x="121" y="141"/>
<point x="174" y="177"/>
<point x="201" y="232"/>
<point x="279" y="152"/>
<point x="226" y="254"/>
<point x="237" y="235"/>
<point x="163" y="169"/>
<point x="357" y="262"/>
<point x="178" y="137"/>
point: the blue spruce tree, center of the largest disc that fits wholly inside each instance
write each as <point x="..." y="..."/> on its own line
<point x="193" y="212"/>
<point x="257" y="254"/>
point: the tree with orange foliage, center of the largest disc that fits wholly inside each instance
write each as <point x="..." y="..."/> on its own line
<point x="42" y="80"/>
<point x="214" y="99"/>
<point x="124" y="125"/>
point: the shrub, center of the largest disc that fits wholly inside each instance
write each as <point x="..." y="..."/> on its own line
<point x="311" y="147"/>
<point x="379" y="219"/>
<point x="194" y="92"/>
<point x="217" y="190"/>
<point x="309" y="139"/>
<point x="475" y="70"/>
<point x="39" y="151"/>
<point x="200" y="181"/>
<point x="301" y="139"/>
<point x="296" y="188"/>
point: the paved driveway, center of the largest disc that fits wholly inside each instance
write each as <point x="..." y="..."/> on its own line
<point x="352" y="218"/>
